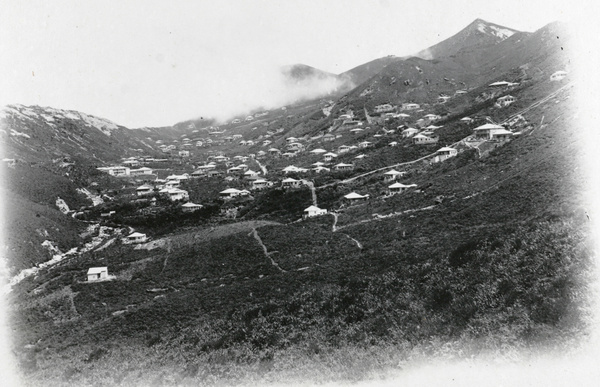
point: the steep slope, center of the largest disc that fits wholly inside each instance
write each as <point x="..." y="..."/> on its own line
<point x="361" y="73"/>
<point x="477" y="34"/>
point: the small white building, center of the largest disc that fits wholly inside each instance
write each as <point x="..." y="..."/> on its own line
<point x="97" y="273"/>
<point x="318" y="151"/>
<point x="191" y="207"/>
<point x="291" y="183"/>
<point x="392" y="175"/>
<point x="558" y="76"/>
<point x="251" y="175"/>
<point x="343" y="167"/>
<point x="409" y="132"/>
<point x="144" y="190"/>
<point x="399" y="188"/>
<point x="184" y="153"/>
<point x="261" y="184"/>
<point x="229" y="193"/>
<point x="421" y="139"/>
<point x="314" y="211"/>
<point x="136" y="237"/>
<point x="505" y="101"/>
<point x="486" y="131"/>
<point x="444" y="153"/>
<point x="328" y="157"/>
<point x="353" y="196"/>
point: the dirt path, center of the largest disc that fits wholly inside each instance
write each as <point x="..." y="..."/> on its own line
<point x="267" y="254"/>
<point x="313" y="191"/>
<point x="262" y="167"/>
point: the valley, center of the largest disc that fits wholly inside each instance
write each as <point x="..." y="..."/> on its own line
<point x="430" y="207"/>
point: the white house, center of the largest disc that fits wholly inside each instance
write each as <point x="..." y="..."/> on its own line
<point x="292" y="168"/>
<point x="314" y="211"/>
<point x="343" y="167"/>
<point x="431" y="117"/>
<point x="229" y="193"/>
<point x="502" y="135"/>
<point x="290" y="140"/>
<point x="97" y="273"/>
<point x="505" y="101"/>
<point x="393" y="143"/>
<point x="184" y="153"/>
<point x="392" y="175"/>
<point x="365" y="144"/>
<point x="140" y="171"/>
<point x="343" y="148"/>
<point x="318" y="151"/>
<point x="444" y="153"/>
<point x="409" y="132"/>
<point x="384" y="108"/>
<point x="410" y="106"/>
<point x="251" y="175"/>
<point x="294" y="146"/>
<point x="466" y="120"/>
<point x="356" y="130"/>
<point x="144" y="190"/>
<point x="421" y="139"/>
<point x="274" y="151"/>
<point x="320" y="169"/>
<point x="291" y="183"/>
<point x="136" y="237"/>
<point x="261" y="184"/>
<point x="175" y="193"/>
<point x="486" y="131"/>
<point x="399" y="188"/>
<point x="328" y="157"/>
<point x="191" y="207"/>
<point x="558" y="76"/>
<point x="352" y="196"/>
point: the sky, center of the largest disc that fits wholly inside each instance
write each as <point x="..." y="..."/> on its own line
<point x="156" y="63"/>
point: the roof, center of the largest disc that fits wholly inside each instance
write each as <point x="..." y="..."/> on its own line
<point x="344" y="165"/>
<point x="313" y="208"/>
<point x="318" y="163"/>
<point x="488" y="126"/>
<point x="446" y="149"/>
<point x="330" y="154"/>
<point x="250" y="172"/>
<point x="144" y="187"/>
<point x="410" y="130"/>
<point x="354" y="195"/>
<point x="400" y="185"/>
<point x="394" y="172"/>
<point x="230" y="190"/>
<point x="318" y="151"/>
<point x="136" y="235"/>
<point x="502" y="131"/>
<point x="289" y="180"/>
<point x="97" y="270"/>
<point x="420" y="136"/>
<point x="188" y="205"/>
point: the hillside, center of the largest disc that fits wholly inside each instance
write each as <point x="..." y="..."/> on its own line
<point x="487" y="252"/>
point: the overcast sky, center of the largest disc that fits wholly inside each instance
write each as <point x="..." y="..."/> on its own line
<point x="155" y="63"/>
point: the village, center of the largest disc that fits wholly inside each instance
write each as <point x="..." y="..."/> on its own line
<point x="338" y="153"/>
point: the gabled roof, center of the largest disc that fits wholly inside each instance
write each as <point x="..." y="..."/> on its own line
<point x="410" y="130"/>
<point x="354" y="195"/>
<point x="97" y="270"/>
<point x="289" y="180"/>
<point x="191" y="205"/>
<point x="230" y="190"/>
<point x="136" y="235"/>
<point x="394" y="172"/>
<point x="331" y="154"/>
<point x="312" y="208"/>
<point x="318" y="164"/>
<point x="446" y="149"/>
<point x="144" y="187"/>
<point x="343" y="165"/>
<point x="319" y="150"/>
<point x="488" y="126"/>
<point x="400" y="185"/>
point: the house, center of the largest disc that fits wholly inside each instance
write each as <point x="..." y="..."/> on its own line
<point x="294" y="147"/>
<point x="406" y="133"/>
<point x="360" y="157"/>
<point x="328" y="157"/>
<point x="261" y="184"/>
<point x="251" y="175"/>
<point x="466" y="120"/>
<point x="459" y="92"/>
<point x="314" y="211"/>
<point x="343" y="167"/>
<point x="229" y="193"/>
<point x="292" y="168"/>
<point x="384" y="108"/>
<point x="274" y="152"/>
<point x="399" y="188"/>
<point x="136" y="237"/>
<point x="144" y="190"/>
<point x="505" y="101"/>
<point x="267" y="142"/>
<point x="290" y="140"/>
<point x="502" y="135"/>
<point x="431" y="117"/>
<point x="320" y="169"/>
<point x="318" y="151"/>
<point x="443" y="98"/>
<point x="291" y="183"/>
<point x="243" y="167"/>
<point x="318" y="164"/>
<point x="392" y="175"/>
<point x="558" y="76"/>
<point x="191" y="207"/>
<point x="234" y="170"/>
<point x="444" y="153"/>
<point x="421" y="139"/>
<point x="117" y="171"/>
<point x="214" y="173"/>
<point x="344" y="148"/>
<point x="353" y="196"/>
<point x="410" y="106"/>
<point x="433" y="127"/>
<point x="393" y="143"/>
<point x="499" y="84"/>
<point x="131" y="162"/>
<point x="486" y="131"/>
<point x="175" y="194"/>
<point x="97" y="273"/>
<point x="356" y="130"/>
<point x="140" y="171"/>
<point x="184" y="153"/>
<point x="328" y="137"/>
<point x="365" y="144"/>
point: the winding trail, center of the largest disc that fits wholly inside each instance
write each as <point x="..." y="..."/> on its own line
<point x="358" y="244"/>
<point x="267" y="254"/>
<point x="262" y="167"/>
<point x="313" y="191"/>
